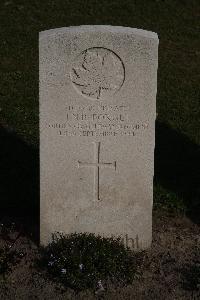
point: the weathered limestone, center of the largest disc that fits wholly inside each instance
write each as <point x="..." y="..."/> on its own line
<point x="97" y="127"/>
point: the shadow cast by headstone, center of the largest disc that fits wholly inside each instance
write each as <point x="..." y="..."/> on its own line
<point x="19" y="183"/>
<point x="177" y="167"/>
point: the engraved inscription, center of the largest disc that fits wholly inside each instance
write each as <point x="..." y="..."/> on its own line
<point x="97" y="165"/>
<point x="98" y="121"/>
<point x="97" y="73"/>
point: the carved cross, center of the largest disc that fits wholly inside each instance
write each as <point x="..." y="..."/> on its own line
<point x="97" y="165"/>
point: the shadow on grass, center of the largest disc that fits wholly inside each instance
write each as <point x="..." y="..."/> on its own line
<point x="177" y="168"/>
<point x="19" y="183"/>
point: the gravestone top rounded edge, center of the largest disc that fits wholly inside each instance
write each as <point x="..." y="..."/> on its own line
<point x="100" y="28"/>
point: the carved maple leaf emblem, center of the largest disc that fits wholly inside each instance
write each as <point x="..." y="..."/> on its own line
<point x="99" y="71"/>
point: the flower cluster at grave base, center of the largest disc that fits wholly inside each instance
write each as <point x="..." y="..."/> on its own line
<point x="82" y="261"/>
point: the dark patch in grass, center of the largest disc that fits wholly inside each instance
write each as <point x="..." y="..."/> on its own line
<point x="19" y="182"/>
<point x="177" y="169"/>
<point x="82" y="261"/>
<point x="168" y="201"/>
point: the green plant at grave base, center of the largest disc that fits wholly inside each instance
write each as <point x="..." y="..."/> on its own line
<point x="168" y="201"/>
<point x="82" y="261"/>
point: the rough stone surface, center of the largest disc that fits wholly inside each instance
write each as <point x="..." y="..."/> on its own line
<point x="97" y="131"/>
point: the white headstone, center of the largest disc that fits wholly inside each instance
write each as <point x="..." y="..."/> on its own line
<point x="97" y="131"/>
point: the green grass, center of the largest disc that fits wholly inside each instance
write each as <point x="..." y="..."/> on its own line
<point x="85" y="261"/>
